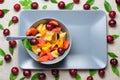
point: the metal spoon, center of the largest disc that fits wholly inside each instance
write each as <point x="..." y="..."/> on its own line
<point x="8" y="38"/>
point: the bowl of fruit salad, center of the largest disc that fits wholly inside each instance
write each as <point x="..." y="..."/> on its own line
<point x="52" y="43"/>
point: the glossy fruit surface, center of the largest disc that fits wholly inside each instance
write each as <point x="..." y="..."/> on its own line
<point x="27" y="73"/>
<point x="14" y="19"/>
<point x="1" y="1"/>
<point x="15" y="70"/>
<point x="6" y="32"/>
<point x="61" y="5"/>
<point x="55" y="72"/>
<point x="7" y="58"/>
<point x="73" y="72"/>
<point x="112" y="23"/>
<point x="101" y="72"/>
<point x="90" y="78"/>
<point x="42" y="76"/>
<point x="12" y="43"/>
<point x="76" y="1"/>
<point x="61" y="51"/>
<point x="117" y="2"/>
<point x="33" y="41"/>
<point x="17" y="7"/>
<point x="110" y="39"/>
<point x="1" y="13"/>
<point x="34" y="5"/>
<point x="112" y="14"/>
<point x="86" y="6"/>
<point x="49" y="27"/>
<point x="113" y="62"/>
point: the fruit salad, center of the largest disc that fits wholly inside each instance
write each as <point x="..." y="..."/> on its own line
<point x="51" y="41"/>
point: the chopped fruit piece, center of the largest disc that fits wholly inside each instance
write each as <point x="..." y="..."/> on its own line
<point x="60" y="43"/>
<point x="66" y="44"/>
<point x="41" y="41"/>
<point x="31" y="31"/>
<point x="50" y="57"/>
<point x="42" y="53"/>
<point x="55" y="53"/>
<point x="39" y="28"/>
<point x="42" y="59"/>
<point x="53" y="22"/>
<point x="63" y="35"/>
<point x="43" y="30"/>
<point x="36" y="49"/>
<point x="49" y="36"/>
<point x="58" y="30"/>
<point x="54" y="47"/>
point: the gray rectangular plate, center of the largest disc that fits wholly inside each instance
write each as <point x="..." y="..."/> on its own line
<point x="88" y="33"/>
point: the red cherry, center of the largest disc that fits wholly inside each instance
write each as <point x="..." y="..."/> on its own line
<point x="34" y="5"/>
<point x="117" y="2"/>
<point x="112" y="14"/>
<point x="6" y="32"/>
<point x="15" y="70"/>
<point x="112" y="22"/>
<point x="1" y="13"/>
<point x="17" y="7"/>
<point x="14" y="19"/>
<point x="55" y="72"/>
<point x="27" y="73"/>
<point x="76" y="1"/>
<point x="1" y="1"/>
<point x="61" y="51"/>
<point x="113" y="62"/>
<point x="89" y="78"/>
<point x="7" y="58"/>
<point x="101" y="72"/>
<point x="12" y="43"/>
<point x="49" y="27"/>
<point x="61" y="5"/>
<point x="33" y="41"/>
<point x="42" y="76"/>
<point x="73" y="72"/>
<point x="110" y="39"/>
<point x="86" y="6"/>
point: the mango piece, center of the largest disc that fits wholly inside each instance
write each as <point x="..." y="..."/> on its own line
<point x="39" y="28"/>
<point x="43" y="30"/>
<point x="60" y="42"/>
<point x="63" y="35"/>
<point x="55" y="53"/>
<point x="49" y="36"/>
<point x="36" y="49"/>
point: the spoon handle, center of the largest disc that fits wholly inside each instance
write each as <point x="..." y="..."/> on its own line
<point x="8" y="38"/>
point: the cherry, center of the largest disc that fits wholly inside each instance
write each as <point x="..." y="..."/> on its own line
<point x="112" y="22"/>
<point x="14" y="19"/>
<point x="61" y="51"/>
<point x="73" y="72"/>
<point x="55" y="72"/>
<point x="113" y="62"/>
<point x="89" y="78"/>
<point x="61" y="5"/>
<point x="27" y="73"/>
<point x="1" y="13"/>
<point x="15" y="70"/>
<point x="7" y="58"/>
<point x="101" y="72"/>
<point x="42" y="76"/>
<point x="110" y="39"/>
<point x="86" y="6"/>
<point x="12" y="43"/>
<point x="49" y="27"/>
<point x="33" y="41"/>
<point x="76" y="1"/>
<point x="6" y="32"/>
<point x="34" y="5"/>
<point x="112" y="14"/>
<point x="17" y="7"/>
<point x="1" y="1"/>
<point x="117" y="2"/>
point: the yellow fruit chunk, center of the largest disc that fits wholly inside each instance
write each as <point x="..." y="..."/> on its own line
<point x="43" y="30"/>
<point x="63" y="35"/>
<point x="39" y="28"/>
<point x="55" y="53"/>
<point x="46" y="47"/>
<point x="60" y="42"/>
<point x="49" y="36"/>
<point x="36" y="49"/>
